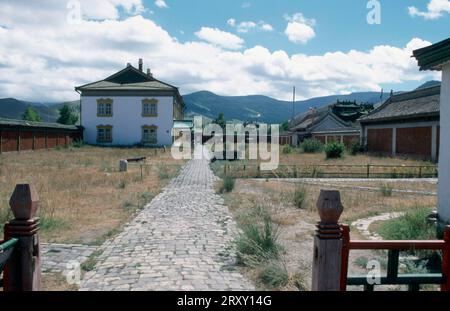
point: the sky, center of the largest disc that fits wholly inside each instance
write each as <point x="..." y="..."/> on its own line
<point x="232" y="47"/>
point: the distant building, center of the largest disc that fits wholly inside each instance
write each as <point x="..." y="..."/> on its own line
<point x="130" y="107"/>
<point x="336" y="122"/>
<point x="406" y="124"/>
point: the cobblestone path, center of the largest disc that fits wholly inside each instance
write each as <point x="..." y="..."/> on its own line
<point x="180" y="241"/>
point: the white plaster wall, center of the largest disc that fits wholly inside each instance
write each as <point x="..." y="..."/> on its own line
<point x="444" y="149"/>
<point x="127" y="119"/>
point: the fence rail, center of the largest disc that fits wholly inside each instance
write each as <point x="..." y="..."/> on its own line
<point x="331" y="171"/>
<point x="392" y="276"/>
<point x="332" y="245"/>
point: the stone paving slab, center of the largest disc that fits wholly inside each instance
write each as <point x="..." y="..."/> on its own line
<point x="55" y="257"/>
<point x="182" y="240"/>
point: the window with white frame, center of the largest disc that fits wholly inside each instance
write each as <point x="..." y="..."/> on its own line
<point x="104" y="134"/>
<point x="150" y="108"/>
<point x="149" y="134"/>
<point x="104" y="108"/>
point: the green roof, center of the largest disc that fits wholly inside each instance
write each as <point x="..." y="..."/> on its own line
<point x="23" y="123"/>
<point x="433" y="56"/>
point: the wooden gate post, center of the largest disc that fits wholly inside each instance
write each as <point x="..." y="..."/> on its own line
<point x="327" y="243"/>
<point x="23" y="270"/>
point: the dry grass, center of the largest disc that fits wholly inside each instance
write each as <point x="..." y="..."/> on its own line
<point x="56" y="282"/>
<point x="83" y="197"/>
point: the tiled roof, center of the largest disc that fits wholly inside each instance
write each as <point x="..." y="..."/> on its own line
<point x="128" y="79"/>
<point x="418" y="103"/>
<point x="433" y="56"/>
<point x="13" y="122"/>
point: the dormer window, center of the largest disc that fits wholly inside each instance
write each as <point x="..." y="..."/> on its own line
<point x="104" y="107"/>
<point x="150" y="108"/>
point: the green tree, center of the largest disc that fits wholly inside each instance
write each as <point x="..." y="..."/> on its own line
<point x="220" y="120"/>
<point x="31" y="115"/>
<point x="284" y="127"/>
<point x="67" y="116"/>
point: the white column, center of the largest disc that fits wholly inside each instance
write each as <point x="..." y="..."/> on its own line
<point x="444" y="149"/>
<point x="394" y="141"/>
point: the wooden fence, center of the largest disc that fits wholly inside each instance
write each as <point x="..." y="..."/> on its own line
<point x="332" y="245"/>
<point x="20" y="249"/>
<point x="330" y="171"/>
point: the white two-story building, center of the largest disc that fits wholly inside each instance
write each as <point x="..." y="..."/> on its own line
<point x="128" y="108"/>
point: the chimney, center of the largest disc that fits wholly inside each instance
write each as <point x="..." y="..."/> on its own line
<point x="149" y="73"/>
<point x="128" y="64"/>
<point x="141" y="65"/>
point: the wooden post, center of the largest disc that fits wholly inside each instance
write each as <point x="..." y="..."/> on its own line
<point x="446" y="260"/>
<point x="326" y="272"/>
<point x="368" y="170"/>
<point x="34" y="140"/>
<point x="1" y="141"/>
<point x="46" y="139"/>
<point x="23" y="270"/>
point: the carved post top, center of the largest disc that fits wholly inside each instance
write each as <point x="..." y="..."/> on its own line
<point x="330" y="208"/>
<point x="24" y="202"/>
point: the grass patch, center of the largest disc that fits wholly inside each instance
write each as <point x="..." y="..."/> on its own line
<point x="257" y="241"/>
<point x="299" y="197"/>
<point x="386" y="190"/>
<point x="227" y="184"/>
<point x="90" y="263"/>
<point x="274" y="274"/>
<point x="411" y="226"/>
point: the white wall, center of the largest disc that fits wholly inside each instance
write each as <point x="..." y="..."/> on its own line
<point x="444" y="149"/>
<point x="127" y="119"/>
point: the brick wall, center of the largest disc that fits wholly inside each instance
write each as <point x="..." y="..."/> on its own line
<point x="379" y="140"/>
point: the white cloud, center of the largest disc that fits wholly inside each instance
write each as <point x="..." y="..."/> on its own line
<point x="161" y="4"/>
<point x="45" y="63"/>
<point x="220" y="38"/>
<point x="299" y="29"/>
<point x="231" y="22"/>
<point x="435" y="9"/>
<point x="246" y="26"/>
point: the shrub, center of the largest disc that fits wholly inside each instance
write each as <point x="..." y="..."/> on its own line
<point x="78" y="143"/>
<point x="274" y="274"/>
<point x="163" y="173"/>
<point x="311" y="145"/>
<point x="227" y="184"/>
<point x="286" y="149"/>
<point x="411" y="226"/>
<point x="122" y="184"/>
<point x="299" y="197"/>
<point x="334" y="150"/>
<point x="386" y="190"/>
<point x="257" y="241"/>
<point x="355" y="148"/>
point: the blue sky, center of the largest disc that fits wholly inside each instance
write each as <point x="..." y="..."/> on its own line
<point x="232" y="47"/>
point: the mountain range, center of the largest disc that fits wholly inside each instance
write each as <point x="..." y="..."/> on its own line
<point x="254" y="108"/>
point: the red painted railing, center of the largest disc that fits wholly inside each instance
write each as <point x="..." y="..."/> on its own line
<point x="442" y="245"/>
